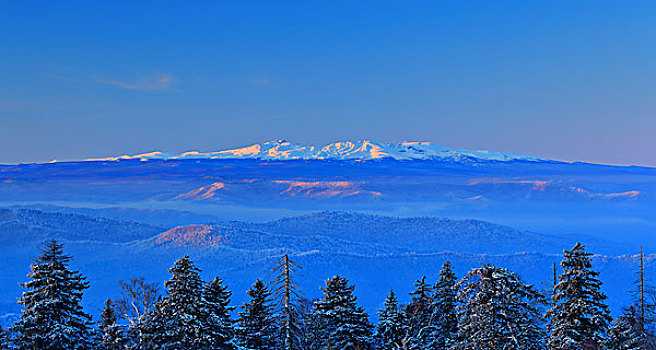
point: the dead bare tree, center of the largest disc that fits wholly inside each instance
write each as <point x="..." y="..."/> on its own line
<point x="137" y="298"/>
<point x="287" y="293"/>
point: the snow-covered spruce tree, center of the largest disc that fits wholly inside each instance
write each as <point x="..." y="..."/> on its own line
<point x="391" y="330"/>
<point x="498" y="311"/>
<point x="419" y="314"/>
<point x="4" y="339"/>
<point x="346" y="324"/>
<point x="257" y="324"/>
<point x="110" y="335"/>
<point x="625" y="333"/>
<point x="445" y="314"/>
<point x="579" y="318"/>
<point x="52" y="317"/>
<point x="287" y="294"/>
<point x="176" y="323"/>
<point x="219" y="326"/>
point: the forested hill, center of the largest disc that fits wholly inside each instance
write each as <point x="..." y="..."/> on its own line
<point x="375" y="252"/>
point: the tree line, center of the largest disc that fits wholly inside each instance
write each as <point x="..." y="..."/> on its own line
<point x="490" y="308"/>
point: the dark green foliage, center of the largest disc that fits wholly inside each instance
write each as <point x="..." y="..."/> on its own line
<point x="498" y="311"/>
<point x="177" y="321"/>
<point x="4" y="339"/>
<point x="111" y="336"/>
<point x="392" y="331"/>
<point x="445" y="314"/>
<point x="625" y="333"/>
<point x="491" y="308"/>
<point x="418" y="315"/>
<point x="217" y="314"/>
<point x="52" y="317"/>
<point x="346" y="325"/>
<point x="579" y="316"/>
<point x="257" y="324"/>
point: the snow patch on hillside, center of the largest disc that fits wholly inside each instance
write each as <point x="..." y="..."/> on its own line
<point x="343" y="150"/>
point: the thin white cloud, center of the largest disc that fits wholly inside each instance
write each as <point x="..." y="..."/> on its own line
<point x="60" y="77"/>
<point x="262" y="81"/>
<point x="158" y="82"/>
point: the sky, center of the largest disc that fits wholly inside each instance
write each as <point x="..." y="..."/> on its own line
<point x="568" y="80"/>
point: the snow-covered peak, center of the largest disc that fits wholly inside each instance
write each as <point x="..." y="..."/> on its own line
<point x="343" y="150"/>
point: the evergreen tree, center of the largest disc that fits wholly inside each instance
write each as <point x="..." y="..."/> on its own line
<point x="52" y="317"/>
<point x="445" y="314"/>
<point x="176" y="322"/>
<point x="625" y="333"/>
<point x="346" y="324"/>
<point x="419" y="315"/>
<point x="499" y="311"/>
<point x="217" y="314"/>
<point x="111" y="336"/>
<point x="257" y="323"/>
<point x="4" y="341"/>
<point x="391" y="329"/>
<point x="579" y="318"/>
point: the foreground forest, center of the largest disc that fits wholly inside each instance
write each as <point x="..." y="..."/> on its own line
<point x="490" y="307"/>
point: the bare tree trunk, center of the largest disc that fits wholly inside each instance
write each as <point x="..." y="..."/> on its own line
<point x="642" y="291"/>
<point x="287" y="284"/>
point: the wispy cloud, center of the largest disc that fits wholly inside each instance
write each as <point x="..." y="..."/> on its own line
<point x="262" y="81"/>
<point x="60" y="77"/>
<point x="157" y="82"/>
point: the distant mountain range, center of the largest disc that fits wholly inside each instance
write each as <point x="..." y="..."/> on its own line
<point x="380" y="214"/>
<point x="277" y="179"/>
<point x="344" y="150"/>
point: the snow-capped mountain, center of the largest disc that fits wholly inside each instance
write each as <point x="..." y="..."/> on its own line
<point x="345" y="150"/>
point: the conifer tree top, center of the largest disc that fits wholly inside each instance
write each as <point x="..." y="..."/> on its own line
<point x="53" y="252"/>
<point x="579" y="316"/>
<point x="53" y="317"/>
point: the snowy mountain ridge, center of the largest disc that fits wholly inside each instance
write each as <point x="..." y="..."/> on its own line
<point x="343" y="150"/>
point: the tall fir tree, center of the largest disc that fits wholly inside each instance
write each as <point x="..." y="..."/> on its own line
<point x="445" y="314"/>
<point x="625" y="334"/>
<point x="346" y="324"/>
<point x="176" y="322"/>
<point x="392" y="329"/>
<point x="110" y="335"/>
<point x="579" y="317"/>
<point x="419" y="315"/>
<point x="52" y="317"/>
<point x="217" y="311"/>
<point x="498" y="311"/>
<point x="257" y="323"/>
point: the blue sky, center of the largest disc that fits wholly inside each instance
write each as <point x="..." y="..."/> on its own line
<point x="571" y="80"/>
